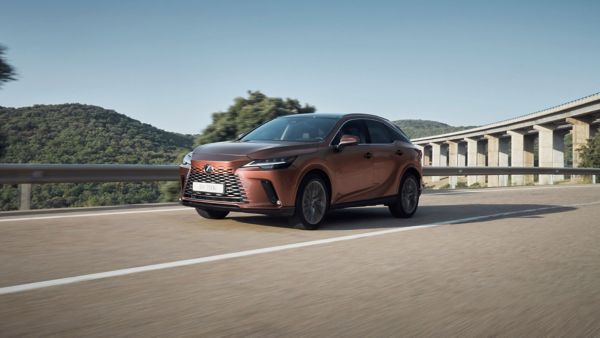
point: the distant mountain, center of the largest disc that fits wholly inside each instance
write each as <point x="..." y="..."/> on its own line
<point x="77" y="133"/>
<point x="423" y="128"/>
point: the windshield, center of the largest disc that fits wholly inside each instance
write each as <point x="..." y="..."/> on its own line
<point x="293" y="129"/>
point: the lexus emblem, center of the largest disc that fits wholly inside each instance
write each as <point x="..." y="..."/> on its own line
<point x="208" y="168"/>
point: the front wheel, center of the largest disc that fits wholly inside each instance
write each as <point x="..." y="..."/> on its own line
<point x="312" y="203"/>
<point x="408" y="198"/>
<point x="212" y="214"/>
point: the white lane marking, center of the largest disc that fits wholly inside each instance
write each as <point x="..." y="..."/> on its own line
<point x="92" y="214"/>
<point x="506" y="189"/>
<point x="200" y="260"/>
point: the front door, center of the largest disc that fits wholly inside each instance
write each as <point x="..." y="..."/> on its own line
<point x="352" y="165"/>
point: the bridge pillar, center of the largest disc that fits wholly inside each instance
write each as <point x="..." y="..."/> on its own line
<point x="426" y="156"/>
<point x="452" y="161"/>
<point x="436" y="156"/>
<point x="452" y="153"/>
<point x="461" y="159"/>
<point x="521" y="149"/>
<point x="581" y="132"/>
<point x="503" y="156"/>
<point x="475" y="157"/>
<point x="493" y="151"/>
<point x="426" y="160"/>
<point x="550" y="151"/>
<point x="444" y="154"/>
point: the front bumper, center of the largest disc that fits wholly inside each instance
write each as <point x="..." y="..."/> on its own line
<point x="246" y="189"/>
<point x="282" y="211"/>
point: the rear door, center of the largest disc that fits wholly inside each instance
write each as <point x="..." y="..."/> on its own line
<point x="387" y="158"/>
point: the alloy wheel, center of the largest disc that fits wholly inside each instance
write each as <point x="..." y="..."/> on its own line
<point x="314" y="202"/>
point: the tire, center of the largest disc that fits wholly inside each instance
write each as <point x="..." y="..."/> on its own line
<point x="212" y="214"/>
<point x="408" y="198"/>
<point x="312" y="203"/>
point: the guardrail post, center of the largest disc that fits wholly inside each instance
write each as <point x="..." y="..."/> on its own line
<point x="25" y="199"/>
<point x="453" y="180"/>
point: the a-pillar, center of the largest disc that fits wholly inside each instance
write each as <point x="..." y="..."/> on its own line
<point x="521" y="149"/>
<point x="551" y="151"/>
<point x="493" y="158"/>
<point x="435" y="158"/>
<point x="475" y="158"/>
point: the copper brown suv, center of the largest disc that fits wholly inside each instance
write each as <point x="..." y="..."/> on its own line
<point x="304" y="165"/>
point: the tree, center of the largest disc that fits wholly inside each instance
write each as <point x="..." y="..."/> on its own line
<point x="590" y="153"/>
<point x="7" y="72"/>
<point x="247" y="113"/>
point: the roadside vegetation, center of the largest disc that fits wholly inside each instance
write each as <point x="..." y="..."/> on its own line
<point x="590" y="153"/>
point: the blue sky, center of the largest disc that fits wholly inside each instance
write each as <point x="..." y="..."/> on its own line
<point x="173" y="63"/>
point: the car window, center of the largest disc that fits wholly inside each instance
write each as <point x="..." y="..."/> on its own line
<point x="353" y="127"/>
<point x="380" y="133"/>
<point x="400" y="134"/>
<point x="310" y="128"/>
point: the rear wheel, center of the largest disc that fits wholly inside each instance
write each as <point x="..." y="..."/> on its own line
<point x="312" y="203"/>
<point x="212" y="214"/>
<point x="408" y="198"/>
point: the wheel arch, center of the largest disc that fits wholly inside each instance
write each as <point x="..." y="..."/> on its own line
<point x="414" y="171"/>
<point x="321" y="173"/>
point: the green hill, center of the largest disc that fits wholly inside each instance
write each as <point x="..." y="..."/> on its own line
<point x="422" y="128"/>
<point x="77" y="133"/>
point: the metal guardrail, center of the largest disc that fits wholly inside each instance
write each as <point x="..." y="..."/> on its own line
<point x="91" y="173"/>
<point x="27" y="174"/>
<point x="464" y="171"/>
<point x="85" y="173"/>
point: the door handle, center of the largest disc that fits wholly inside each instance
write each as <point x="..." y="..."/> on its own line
<point x="399" y="152"/>
<point x="368" y="155"/>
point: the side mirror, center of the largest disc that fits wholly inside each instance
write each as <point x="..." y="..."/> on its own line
<point x="347" y="140"/>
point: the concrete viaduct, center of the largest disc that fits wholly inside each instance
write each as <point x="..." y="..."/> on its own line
<point x="512" y="143"/>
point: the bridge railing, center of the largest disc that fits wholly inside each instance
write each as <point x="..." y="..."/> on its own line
<point x="26" y="174"/>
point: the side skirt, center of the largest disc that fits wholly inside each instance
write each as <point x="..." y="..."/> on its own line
<point x="364" y="203"/>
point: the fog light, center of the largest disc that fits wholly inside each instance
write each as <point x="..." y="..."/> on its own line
<point x="270" y="191"/>
<point x="278" y="203"/>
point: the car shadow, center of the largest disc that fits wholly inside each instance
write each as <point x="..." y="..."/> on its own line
<point x="379" y="217"/>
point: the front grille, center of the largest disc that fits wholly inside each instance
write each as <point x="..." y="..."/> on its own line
<point x="234" y="191"/>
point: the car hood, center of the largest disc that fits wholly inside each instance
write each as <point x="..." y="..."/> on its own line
<point x="234" y="150"/>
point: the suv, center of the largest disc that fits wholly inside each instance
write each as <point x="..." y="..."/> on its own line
<point x="304" y="165"/>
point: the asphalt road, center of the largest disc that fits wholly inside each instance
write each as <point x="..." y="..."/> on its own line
<point x="503" y="262"/>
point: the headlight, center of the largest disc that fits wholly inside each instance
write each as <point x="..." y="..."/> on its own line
<point x="187" y="159"/>
<point x="272" y="163"/>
